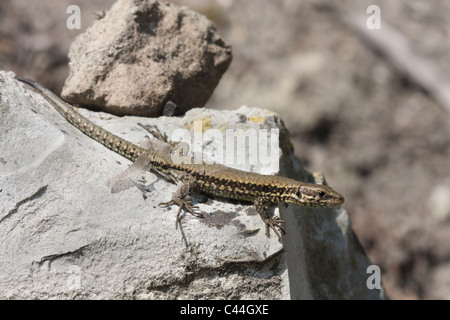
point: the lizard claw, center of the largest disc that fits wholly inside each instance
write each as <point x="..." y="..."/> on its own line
<point x="183" y="204"/>
<point x="275" y="224"/>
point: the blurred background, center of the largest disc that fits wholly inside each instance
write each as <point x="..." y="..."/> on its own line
<point x="379" y="131"/>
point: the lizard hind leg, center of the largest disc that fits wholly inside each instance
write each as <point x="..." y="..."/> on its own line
<point x="164" y="145"/>
<point x="155" y="132"/>
<point x="187" y="185"/>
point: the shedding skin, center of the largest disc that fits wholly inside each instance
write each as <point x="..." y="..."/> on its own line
<point x="211" y="179"/>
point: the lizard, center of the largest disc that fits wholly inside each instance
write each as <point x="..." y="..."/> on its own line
<point x="210" y="179"/>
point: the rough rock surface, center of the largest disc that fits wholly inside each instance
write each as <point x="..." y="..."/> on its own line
<point x="63" y="234"/>
<point x="143" y="54"/>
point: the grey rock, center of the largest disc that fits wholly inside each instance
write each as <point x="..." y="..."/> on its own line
<point x="63" y="234"/>
<point x="143" y="54"/>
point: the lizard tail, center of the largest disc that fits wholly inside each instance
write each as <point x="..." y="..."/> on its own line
<point x="109" y="140"/>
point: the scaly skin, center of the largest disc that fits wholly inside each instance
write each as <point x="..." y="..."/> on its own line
<point x="212" y="179"/>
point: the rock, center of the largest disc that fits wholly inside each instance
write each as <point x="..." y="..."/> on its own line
<point x="440" y="281"/>
<point x="65" y="235"/>
<point x="143" y="54"/>
<point x="439" y="203"/>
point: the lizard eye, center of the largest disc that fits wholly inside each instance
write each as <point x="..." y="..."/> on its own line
<point x="321" y="194"/>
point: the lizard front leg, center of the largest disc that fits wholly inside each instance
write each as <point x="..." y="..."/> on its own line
<point x="274" y="223"/>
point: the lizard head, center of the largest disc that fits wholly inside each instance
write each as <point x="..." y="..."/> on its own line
<point x="313" y="195"/>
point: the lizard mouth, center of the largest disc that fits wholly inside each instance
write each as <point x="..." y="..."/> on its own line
<point x="339" y="200"/>
<point x="330" y="202"/>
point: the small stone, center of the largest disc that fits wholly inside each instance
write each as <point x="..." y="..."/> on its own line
<point x="171" y="109"/>
<point x="439" y="202"/>
<point x="143" y="54"/>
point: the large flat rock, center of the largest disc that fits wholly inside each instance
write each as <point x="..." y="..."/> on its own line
<point x="63" y="234"/>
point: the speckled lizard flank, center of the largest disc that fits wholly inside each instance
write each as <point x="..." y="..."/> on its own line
<point x="212" y="179"/>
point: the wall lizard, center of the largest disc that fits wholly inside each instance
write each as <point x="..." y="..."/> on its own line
<point x="211" y="179"/>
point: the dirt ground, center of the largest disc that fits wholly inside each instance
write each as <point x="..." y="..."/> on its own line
<point x="380" y="138"/>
